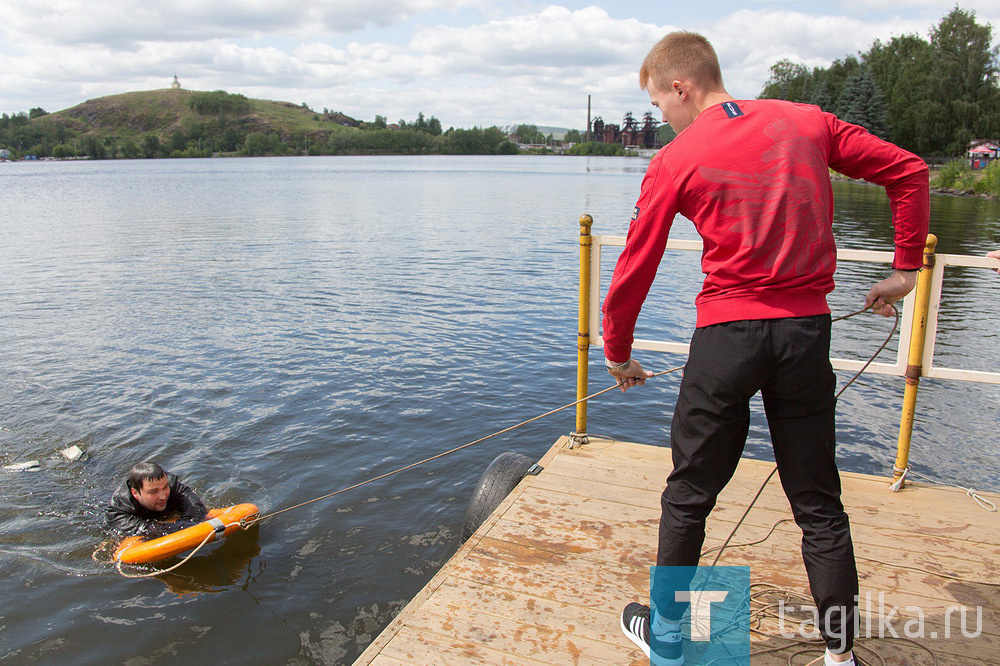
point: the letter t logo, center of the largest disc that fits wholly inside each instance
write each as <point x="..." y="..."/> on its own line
<point x="701" y="611"/>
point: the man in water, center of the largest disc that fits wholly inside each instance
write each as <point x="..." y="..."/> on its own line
<point x="149" y="499"/>
<point x="753" y="177"/>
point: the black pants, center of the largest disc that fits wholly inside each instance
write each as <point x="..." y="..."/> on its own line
<point x="788" y="361"/>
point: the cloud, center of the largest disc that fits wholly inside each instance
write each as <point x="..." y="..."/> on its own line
<point x="749" y="42"/>
<point x="553" y="38"/>
<point x="125" y="23"/>
<point x="535" y="66"/>
<point x="986" y="10"/>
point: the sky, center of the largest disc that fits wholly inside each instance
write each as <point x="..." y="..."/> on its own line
<point x="466" y="62"/>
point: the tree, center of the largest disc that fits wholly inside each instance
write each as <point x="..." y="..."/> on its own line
<point x="37" y="112"/>
<point x="92" y="147"/>
<point x="964" y="77"/>
<point x="901" y="69"/>
<point x="130" y="150"/>
<point x="573" y="136"/>
<point x="665" y="134"/>
<point x="597" y="148"/>
<point x="232" y="139"/>
<point x="529" y="134"/>
<point x="475" y="141"/>
<point x="258" y="143"/>
<point x="63" y="151"/>
<point x="507" y="148"/>
<point x="937" y="94"/>
<point x="786" y="81"/>
<point x="862" y="104"/>
<point x="178" y="141"/>
<point x="150" y="146"/>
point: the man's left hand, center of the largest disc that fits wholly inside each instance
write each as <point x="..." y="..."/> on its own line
<point x="881" y="297"/>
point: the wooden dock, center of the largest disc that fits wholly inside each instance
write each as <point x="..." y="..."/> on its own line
<point x="543" y="581"/>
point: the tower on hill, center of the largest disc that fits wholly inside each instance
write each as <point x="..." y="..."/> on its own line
<point x="176" y="85"/>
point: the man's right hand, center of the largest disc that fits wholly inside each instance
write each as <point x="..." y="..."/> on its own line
<point x="882" y="296"/>
<point x="631" y="376"/>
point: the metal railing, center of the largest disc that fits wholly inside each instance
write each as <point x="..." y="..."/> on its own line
<point x="917" y="335"/>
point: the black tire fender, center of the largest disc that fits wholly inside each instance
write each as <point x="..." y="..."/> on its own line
<point x="501" y="476"/>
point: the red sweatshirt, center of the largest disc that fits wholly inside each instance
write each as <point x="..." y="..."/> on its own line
<point x="752" y="176"/>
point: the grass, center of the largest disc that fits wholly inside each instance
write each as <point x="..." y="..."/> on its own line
<point x="160" y="112"/>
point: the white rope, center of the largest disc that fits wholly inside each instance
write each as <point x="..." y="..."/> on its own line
<point x="971" y="492"/>
<point x="898" y="483"/>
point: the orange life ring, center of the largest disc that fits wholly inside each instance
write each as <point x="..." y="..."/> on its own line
<point x="137" y="550"/>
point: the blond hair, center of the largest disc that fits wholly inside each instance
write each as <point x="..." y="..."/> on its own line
<point x="681" y="55"/>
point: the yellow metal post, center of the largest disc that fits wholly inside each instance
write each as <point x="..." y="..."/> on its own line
<point x="583" y="328"/>
<point x="914" y="362"/>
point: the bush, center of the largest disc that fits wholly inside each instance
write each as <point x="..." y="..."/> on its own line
<point x="258" y="143"/>
<point x="955" y="175"/>
<point x="597" y="148"/>
<point x="990" y="182"/>
<point x="219" y="102"/>
<point x="380" y="141"/>
<point x="507" y="148"/>
<point x="190" y="151"/>
<point x="63" y="151"/>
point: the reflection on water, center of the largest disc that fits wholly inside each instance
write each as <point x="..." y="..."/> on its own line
<point x="274" y="329"/>
<point x="214" y="571"/>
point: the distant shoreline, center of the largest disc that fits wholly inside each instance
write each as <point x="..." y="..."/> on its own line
<point x="835" y="176"/>
<point x="968" y="194"/>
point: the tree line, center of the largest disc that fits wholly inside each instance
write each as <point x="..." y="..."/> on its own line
<point x="196" y="137"/>
<point x="931" y="96"/>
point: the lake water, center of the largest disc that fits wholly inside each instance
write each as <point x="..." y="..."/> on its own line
<point x="274" y="329"/>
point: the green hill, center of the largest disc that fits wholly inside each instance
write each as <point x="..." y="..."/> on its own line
<point x="168" y="121"/>
<point x="162" y="111"/>
<point x="185" y="123"/>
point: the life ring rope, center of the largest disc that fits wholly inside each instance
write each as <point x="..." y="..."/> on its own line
<point x="159" y="572"/>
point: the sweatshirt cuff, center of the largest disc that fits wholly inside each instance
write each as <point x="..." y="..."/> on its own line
<point x="908" y="258"/>
<point x="617" y="355"/>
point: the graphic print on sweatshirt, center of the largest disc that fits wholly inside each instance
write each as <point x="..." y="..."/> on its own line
<point x="777" y="212"/>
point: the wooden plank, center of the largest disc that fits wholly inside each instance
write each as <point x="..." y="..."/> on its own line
<point x="979" y="563"/>
<point x="944" y="497"/>
<point x="597" y="623"/>
<point x="554" y="577"/>
<point x="780" y="552"/>
<point x="900" y="510"/>
<point x="560" y="644"/>
<point x="975" y="528"/>
<point x="385" y="660"/>
<point x="543" y="579"/>
<point x="414" y="645"/>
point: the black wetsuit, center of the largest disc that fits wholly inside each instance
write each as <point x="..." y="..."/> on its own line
<point x="129" y="518"/>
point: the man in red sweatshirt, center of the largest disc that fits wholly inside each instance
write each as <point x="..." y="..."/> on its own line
<point x="753" y="177"/>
